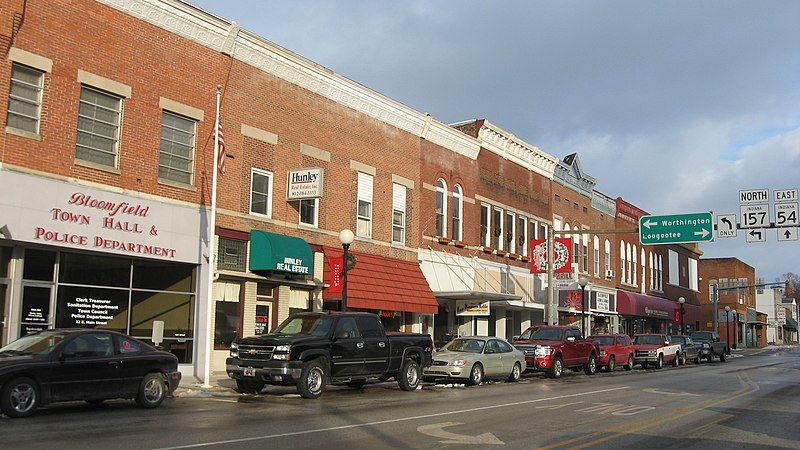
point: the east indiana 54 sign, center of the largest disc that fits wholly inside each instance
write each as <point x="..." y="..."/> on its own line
<point x="676" y="228"/>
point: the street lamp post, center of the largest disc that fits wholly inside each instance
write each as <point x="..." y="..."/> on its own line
<point x="582" y="282"/>
<point x="346" y="238"/>
<point x="681" y="301"/>
<point x="735" y="328"/>
<point x="728" y="325"/>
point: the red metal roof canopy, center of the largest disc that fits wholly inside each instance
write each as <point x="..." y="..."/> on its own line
<point x="383" y="284"/>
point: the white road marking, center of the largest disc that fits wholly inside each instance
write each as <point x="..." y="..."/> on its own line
<point x="558" y="406"/>
<point x="437" y="430"/>
<point x="615" y="409"/>
<point x="401" y="419"/>
<point x="660" y="392"/>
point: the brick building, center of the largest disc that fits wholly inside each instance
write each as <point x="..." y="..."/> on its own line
<point x="734" y="282"/>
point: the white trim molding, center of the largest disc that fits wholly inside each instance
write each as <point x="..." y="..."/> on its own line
<point x="508" y="146"/>
<point x="29" y="59"/>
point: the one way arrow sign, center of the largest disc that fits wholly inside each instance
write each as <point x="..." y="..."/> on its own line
<point x="757" y="235"/>
<point x="787" y="234"/>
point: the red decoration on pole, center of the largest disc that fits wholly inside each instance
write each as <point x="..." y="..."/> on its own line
<point x="562" y="255"/>
<point x="337" y="267"/>
<point x="574" y="300"/>
<point x="677" y="315"/>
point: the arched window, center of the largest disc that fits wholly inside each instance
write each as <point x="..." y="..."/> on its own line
<point x="650" y="262"/>
<point x="458" y="211"/>
<point x="660" y="273"/>
<point x="608" y="255"/>
<point x="596" y="255"/>
<point x="643" y="279"/>
<point x="441" y="207"/>
<point x="628" y="261"/>
<point x="634" y="266"/>
<point x="622" y="261"/>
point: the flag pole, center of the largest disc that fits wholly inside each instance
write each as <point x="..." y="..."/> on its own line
<point x="211" y="254"/>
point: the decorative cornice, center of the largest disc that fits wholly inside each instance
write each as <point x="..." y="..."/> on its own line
<point x="216" y="33"/>
<point x="508" y="146"/>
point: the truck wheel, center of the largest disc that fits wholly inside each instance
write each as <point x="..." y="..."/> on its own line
<point x="312" y="379"/>
<point x="697" y="359"/>
<point x="475" y="375"/>
<point x="629" y="366"/>
<point x="152" y="391"/>
<point x="660" y="362"/>
<point x="249" y="386"/>
<point x="611" y="364"/>
<point x="710" y="357"/>
<point x="556" y="369"/>
<point x="677" y="360"/>
<point x="408" y="378"/>
<point x="722" y="357"/>
<point x="591" y="366"/>
<point x="516" y="372"/>
<point x="20" y="397"/>
<point x="682" y="361"/>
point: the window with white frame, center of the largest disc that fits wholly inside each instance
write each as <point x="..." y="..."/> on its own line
<point x="643" y="279"/>
<point x="628" y="277"/>
<point x="309" y="212"/>
<point x="506" y="282"/>
<point x="399" y="213"/>
<point x="634" y="266"/>
<point x="622" y="261"/>
<point x="497" y="228"/>
<point x="486" y="226"/>
<point x="441" y="207"/>
<point x="458" y="212"/>
<point x="596" y="255"/>
<point x="176" y="155"/>
<point x="522" y="231"/>
<point x="652" y="275"/>
<point x="25" y="98"/>
<point x="534" y="234"/>
<point x="585" y="254"/>
<point x="660" y="273"/>
<point x="576" y="248"/>
<point x="260" y="192"/>
<point x="608" y="255"/>
<point x="543" y="230"/>
<point x="99" y="118"/>
<point x="674" y="275"/>
<point x="364" y="206"/>
<point x="510" y="227"/>
<point x="693" y="274"/>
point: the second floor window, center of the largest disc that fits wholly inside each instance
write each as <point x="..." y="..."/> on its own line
<point x="509" y="235"/>
<point x="497" y="228"/>
<point x="399" y="213"/>
<point x="522" y="240"/>
<point x="25" y="98"/>
<point x="458" y="211"/>
<point x="608" y="255"/>
<point x="441" y="207"/>
<point x="486" y="239"/>
<point x="364" y="206"/>
<point x="231" y="254"/>
<point x="99" y="116"/>
<point x="176" y="158"/>
<point x="596" y="255"/>
<point x="260" y="192"/>
<point x="309" y="211"/>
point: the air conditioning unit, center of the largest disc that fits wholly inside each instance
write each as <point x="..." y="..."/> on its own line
<point x="609" y="274"/>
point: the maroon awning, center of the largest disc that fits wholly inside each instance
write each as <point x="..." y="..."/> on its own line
<point x="633" y="304"/>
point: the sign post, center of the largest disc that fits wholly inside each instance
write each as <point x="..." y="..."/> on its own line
<point x="676" y="228"/>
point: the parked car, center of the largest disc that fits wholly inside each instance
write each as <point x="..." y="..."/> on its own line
<point x="655" y="349"/>
<point x="310" y="350"/>
<point x="92" y="365"/>
<point x="614" y="349"/>
<point x="552" y="348"/>
<point x="474" y="359"/>
<point x="712" y="346"/>
<point x="690" y="350"/>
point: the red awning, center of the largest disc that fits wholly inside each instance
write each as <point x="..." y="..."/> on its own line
<point x="383" y="284"/>
<point x="633" y="304"/>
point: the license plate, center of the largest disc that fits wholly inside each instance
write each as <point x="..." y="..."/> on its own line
<point x="249" y="372"/>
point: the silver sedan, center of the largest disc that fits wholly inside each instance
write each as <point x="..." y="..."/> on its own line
<point x="474" y="359"/>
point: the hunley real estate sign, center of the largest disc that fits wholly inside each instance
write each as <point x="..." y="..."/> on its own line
<point x="51" y="212"/>
<point x="304" y="183"/>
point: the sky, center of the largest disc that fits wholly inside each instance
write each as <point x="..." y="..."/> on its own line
<point x="673" y="105"/>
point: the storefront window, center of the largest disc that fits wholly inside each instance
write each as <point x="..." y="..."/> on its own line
<point x="161" y="276"/>
<point x="5" y="260"/>
<point x="78" y="268"/>
<point x="39" y="265"/>
<point x="176" y="310"/>
<point x="88" y="307"/>
<point x="226" y="324"/>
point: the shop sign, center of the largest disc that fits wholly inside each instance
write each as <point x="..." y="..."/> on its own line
<point x="652" y="312"/>
<point x="337" y="267"/>
<point x="262" y="319"/>
<point x="304" y="183"/>
<point x="676" y="315"/>
<point x="293" y="265"/>
<point x="68" y="215"/>
<point x="89" y="312"/>
<point x="603" y="303"/>
<point x="562" y="255"/>
<point x="574" y="300"/>
<point x="472" y="308"/>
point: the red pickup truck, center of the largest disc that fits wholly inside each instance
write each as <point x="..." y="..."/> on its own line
<point x="552" y="348"/>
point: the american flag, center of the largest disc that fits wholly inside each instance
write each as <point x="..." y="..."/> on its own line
<point x="221" y="152"/>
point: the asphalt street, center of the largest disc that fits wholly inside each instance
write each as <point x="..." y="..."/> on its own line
<point x="750" y="401"/>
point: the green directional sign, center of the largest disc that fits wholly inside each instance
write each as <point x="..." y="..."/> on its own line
<point x="676" y="228"/>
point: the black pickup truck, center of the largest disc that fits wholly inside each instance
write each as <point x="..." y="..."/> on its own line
<point x="311" y="350"/>
<point x="711" y="345"/>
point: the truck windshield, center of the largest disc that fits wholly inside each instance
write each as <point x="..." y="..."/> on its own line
<point x="648" y="340"/>
<point x="544" y="334"/>
<point x="306" y="324"/>
<point x="603" y="340"/>
<point x="465" y="345"/>
<point x="678" y="339"/>
<point x="702" y="336"/>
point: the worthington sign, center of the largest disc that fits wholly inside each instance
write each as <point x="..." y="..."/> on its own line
<point x="676" y="228"/>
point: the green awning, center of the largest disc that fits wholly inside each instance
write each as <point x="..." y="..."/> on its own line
<point x="791" y="324"/>
<point x="278" y="253"/>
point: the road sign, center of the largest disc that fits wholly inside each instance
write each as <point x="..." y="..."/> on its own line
<point x="754" y="216"/>
<point x="676" y="228"/>
<point x="787" y="233"/>
<point x="786" y="215"/>
<point x="753" y="196"/>
<point x="726" y="225"/>
<point x="785" y="195"/>
<point x="756" y="235"/>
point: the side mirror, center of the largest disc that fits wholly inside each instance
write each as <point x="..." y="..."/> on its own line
<point x="66" y="355"/>
<point x="571" y="339"/>
<point x="343" y="335"/>
<point x="515" y="339"/>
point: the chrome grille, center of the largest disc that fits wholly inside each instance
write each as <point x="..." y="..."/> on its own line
<point x="439" y="363"/>
<point x="642" y="352"/>
<point x="256" y="352"/>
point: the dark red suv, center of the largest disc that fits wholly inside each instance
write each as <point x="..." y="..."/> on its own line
<point x="614" y="349"/>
